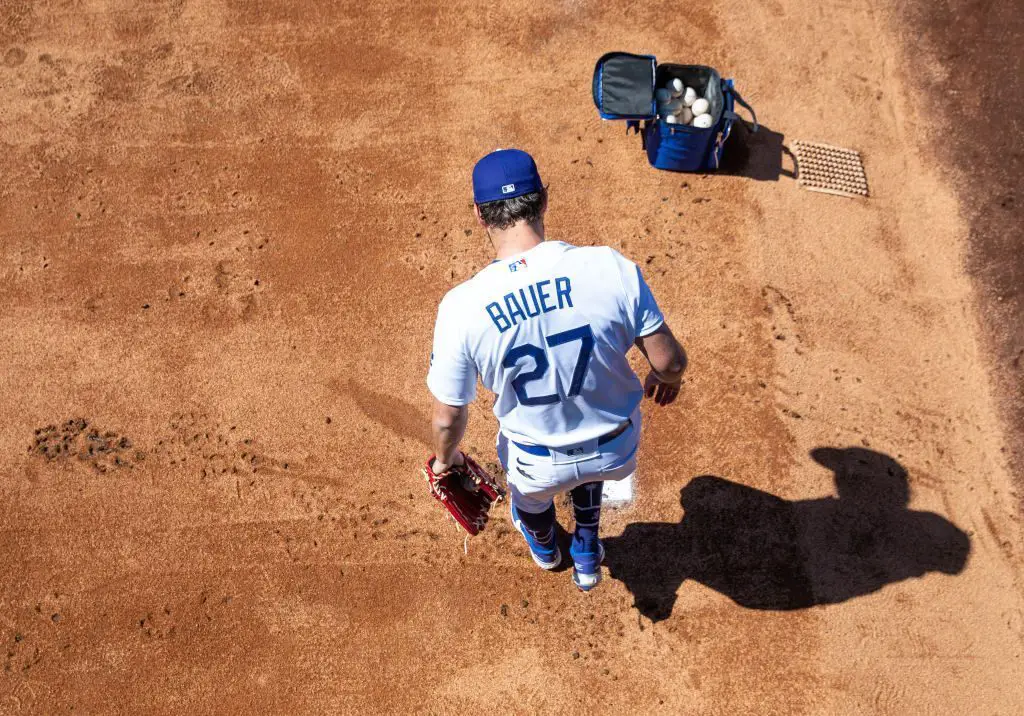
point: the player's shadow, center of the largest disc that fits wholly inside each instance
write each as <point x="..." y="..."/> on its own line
<point x="764" y="552"/>
<point x="756" y="155"/>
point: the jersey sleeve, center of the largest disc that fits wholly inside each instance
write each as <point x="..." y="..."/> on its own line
<point x="642" y="312"/>
<point x="648" y="316"/>
<point x="452" y="374"/>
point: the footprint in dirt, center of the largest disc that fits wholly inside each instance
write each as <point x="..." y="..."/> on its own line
<point x="14" y="57"/>
<point x="22" y="653"/>
<point x="784" y="323"/>
<point x="160" y="624"/>
<point x="214" y="448"/>
<point x="236" y="280"/>
<point x="238" y="287"/>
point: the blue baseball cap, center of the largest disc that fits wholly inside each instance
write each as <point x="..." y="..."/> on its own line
<point x="504" y="174"/>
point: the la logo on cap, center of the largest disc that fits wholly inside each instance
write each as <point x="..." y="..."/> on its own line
<point x="508" y="188"/>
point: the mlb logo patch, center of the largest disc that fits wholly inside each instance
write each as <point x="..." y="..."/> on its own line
<point x="516" y="265"/>
<point x="508" y="188"/>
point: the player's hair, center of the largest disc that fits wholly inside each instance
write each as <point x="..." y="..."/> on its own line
<point x="505" y="213"/>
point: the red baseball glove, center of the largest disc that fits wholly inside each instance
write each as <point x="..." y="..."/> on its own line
<point x="467" y="491"/>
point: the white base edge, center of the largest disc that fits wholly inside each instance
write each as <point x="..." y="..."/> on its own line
<point x="618" y="492"/>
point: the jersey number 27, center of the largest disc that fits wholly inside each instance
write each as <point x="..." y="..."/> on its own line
<point x="583" y="334"/>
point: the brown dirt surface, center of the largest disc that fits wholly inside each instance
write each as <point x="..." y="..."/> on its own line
<point x="224" y="230"/>
<point x="970" y="69"/>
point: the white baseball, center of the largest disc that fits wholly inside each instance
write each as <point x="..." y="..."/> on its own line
<point x="700" y="106"/>
<point x="689" y="96"/>
<point x="664" y="95"/>
<point x="671" y="119"/>
<point x="677" y="86"/>
<point x="703" y="121"/>
<point x="686" y="116"/>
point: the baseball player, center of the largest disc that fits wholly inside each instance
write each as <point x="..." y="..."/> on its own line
<point x="547" y="327"/>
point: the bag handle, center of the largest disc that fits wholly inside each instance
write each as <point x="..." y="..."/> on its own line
<point x="731" y="88"/>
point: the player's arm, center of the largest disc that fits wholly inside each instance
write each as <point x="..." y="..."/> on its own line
<point x="668" y="363"/>
<point x="655" y="341"/>
<point x="452" y="381"/>
<point x="448" y="426"/>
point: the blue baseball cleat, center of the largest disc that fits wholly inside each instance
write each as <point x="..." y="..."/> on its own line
<point x="586" y="573"/>
<point x="547" y="556"/>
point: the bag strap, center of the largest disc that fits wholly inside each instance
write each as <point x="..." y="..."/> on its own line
<point x="731" y="88"/>
<point x="634" y="124"/>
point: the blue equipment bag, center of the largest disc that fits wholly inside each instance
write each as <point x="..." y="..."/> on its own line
<point x="624" y="86"/>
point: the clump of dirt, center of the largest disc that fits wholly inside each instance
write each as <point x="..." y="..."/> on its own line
<point x="102" y="450"/>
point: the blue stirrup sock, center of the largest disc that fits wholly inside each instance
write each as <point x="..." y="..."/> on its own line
<point x="586" y="502"/>
<point x="540" y="525"/>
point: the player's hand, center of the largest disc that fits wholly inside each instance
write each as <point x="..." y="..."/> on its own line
<point x="662" y="392"/>
<point x="438" y="467"/>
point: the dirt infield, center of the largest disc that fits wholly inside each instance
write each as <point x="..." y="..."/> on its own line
<point x="970" y="65"/>
<point x="224" y="230"/>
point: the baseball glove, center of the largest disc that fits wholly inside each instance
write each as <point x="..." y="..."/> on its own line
<point x="467" y="491"/>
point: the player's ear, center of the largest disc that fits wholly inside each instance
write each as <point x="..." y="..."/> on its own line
<point x="479" y="219"/>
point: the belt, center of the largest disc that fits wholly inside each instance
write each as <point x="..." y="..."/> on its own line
<point x="542" y="451"/>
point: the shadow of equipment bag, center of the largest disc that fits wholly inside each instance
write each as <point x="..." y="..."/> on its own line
<point x="624" y="86"/>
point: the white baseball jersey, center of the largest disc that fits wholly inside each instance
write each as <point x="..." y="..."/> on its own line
<point x="547" y="331"/>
